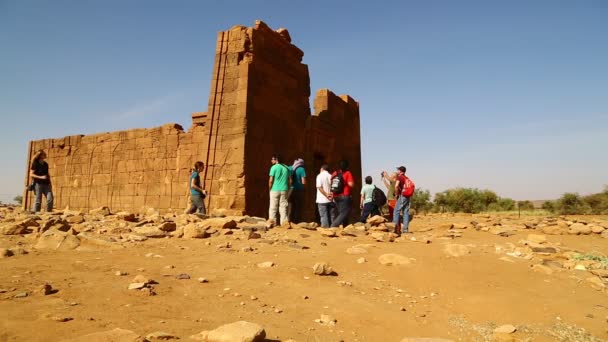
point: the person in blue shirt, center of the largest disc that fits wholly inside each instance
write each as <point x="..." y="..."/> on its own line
<point x="296" y="196"/>
<point x="197" y="193"/>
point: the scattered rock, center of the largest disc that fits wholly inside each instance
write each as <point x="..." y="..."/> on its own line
<point x="102" y="211"/>
<point x="596" y="283"/>
<point x="12" y="229"/>
<point x="202" y="280"/>
<point x="5" y="253"/>
<point x="45" y="289"/>
<point x="21" y="295"/>
<point x="376" y="220"/>
<point x="266" y="264"/>
<point x="542" y="269"/>
<point x="579" y="228"/>
<point x="322" y="268"/>
<point x="121" y="273"/>
<point x="456" y="250"/>
<point x="356" y="250"/>
<point x="505" y="329"/>
<point x="240" y="331"/>
<point x="361" y="260"/>
<point x="161" y="336"/>
<point x="115" y="335"/>
<point x="182" y="276"/>
<point x="537" y="238"/>
<point x="394" y="259"/>
<point x="326" y="320"/>
<point x="57" y="240"/>
<point x="137" y="286"/>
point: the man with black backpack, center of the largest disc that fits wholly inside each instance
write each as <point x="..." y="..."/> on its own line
<point x="368" y="206"/>
<point x="342" y="182"/>
<point x="404" y="190"/>
<point x="296" y="193"/>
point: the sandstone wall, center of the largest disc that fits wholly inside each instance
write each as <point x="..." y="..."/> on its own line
<point x="258" y="105"/>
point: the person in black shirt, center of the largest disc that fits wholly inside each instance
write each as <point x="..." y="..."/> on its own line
<point x="39" y="171"/>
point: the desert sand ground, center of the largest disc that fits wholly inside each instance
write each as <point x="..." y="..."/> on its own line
<point x="457" y="277"/>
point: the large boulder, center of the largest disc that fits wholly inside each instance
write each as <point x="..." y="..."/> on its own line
<point x="579" y="229"/>
<point x="57" y="240"/>
<point x="12" y="229"/>
<point x="240" y="331"/>
<point x="196" y="231"/>
<point x="150" y="232"/>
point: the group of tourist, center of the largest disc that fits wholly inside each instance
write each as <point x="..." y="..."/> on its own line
<point x="286" y="185"/>
<point x="334" y="194"/>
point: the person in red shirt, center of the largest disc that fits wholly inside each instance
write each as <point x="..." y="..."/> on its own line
<point x="403" y="204"/>
<point x="342" y="183"/>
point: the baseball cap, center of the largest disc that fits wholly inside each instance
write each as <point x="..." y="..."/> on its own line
<point x="401" y="168"/>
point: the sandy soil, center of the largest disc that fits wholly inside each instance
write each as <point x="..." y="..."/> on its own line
<point x="463" y="298"/>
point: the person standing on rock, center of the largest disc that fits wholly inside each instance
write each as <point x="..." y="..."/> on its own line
<point x="324" y="196"/>
<point x="279" y="182"/>
<point x="39" y="171"/>
<point x="296" y="196"/>
<point x="342" y="182"/>
<point x="366" y="205"/>
<point x="197" y="193"/>
<point x="403" y="203"/>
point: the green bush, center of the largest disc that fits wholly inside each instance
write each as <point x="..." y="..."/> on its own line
<point x="467" y="200"/>
<point x="525" y="205"/>
<point x="572" y="204"/>
<point x="421" y="201"/>
<point x="18" y="199"/>
<point x="549" y="206"/>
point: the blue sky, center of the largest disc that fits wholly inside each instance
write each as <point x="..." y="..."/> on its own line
<point x="506" y="95"/>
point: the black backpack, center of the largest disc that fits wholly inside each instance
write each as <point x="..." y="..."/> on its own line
<point x="378" y="197"/>
<point x="337" y="183"/>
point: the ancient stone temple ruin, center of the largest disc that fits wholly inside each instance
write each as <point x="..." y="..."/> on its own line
<point x="258" y="105"/>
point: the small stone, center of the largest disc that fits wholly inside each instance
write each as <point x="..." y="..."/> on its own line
<point x="21" y="295"/>
<point x="327" y="320"/>
<point x="161" y="336"/>
<point x="277" y="310"/>
<point x="45" y="289"/>
<point x="361" y="260"/>
<point x="142" y="279"/>
<point x="253" y="298"/>
<point x="322" y="268"/>
<point x="182" y="276"/>
<point x="121" y="273"/>
<point x="136" y="286"/>
<point x="169" y="267"/>
<point x="266" y="264"/>
<point x="393" y="259"/>
<point x="202" y="280"/>
<point x="402" y="309"/>
<point x="61" y="318"/>
<point x="580" y="267"/>
<point x="505" y="329"/>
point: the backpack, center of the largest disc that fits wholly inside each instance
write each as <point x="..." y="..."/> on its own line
<point x="408" y="187"/>
<point x="378" y="197"/>
<point x="337" y="183"/>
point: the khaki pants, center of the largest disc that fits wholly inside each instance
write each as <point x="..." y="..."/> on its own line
<point x="278" y="200"/>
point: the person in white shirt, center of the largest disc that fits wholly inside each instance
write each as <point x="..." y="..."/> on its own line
<point x="324" y="196"/>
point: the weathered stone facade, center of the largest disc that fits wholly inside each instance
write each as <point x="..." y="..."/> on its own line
<point x="258" y="105"/>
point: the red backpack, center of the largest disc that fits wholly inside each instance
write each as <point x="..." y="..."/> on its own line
<point x="408" y="187"/>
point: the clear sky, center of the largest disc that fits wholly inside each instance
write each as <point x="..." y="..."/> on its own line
<point x="505" y="95"/>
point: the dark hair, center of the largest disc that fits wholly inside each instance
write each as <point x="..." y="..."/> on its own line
<point x="278" y="157"/>
<point x="343" y="165"/>
<point x="325" y="167"/>
<point x="368" y="180"/>
<point x="198" y="164"/>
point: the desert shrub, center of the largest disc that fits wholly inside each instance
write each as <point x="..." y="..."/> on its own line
<point x="598" y="203"/>
<point x="525" y="205"/>
<point x="18" y="199"/>
<point x="548" y="206"/>
<point x="572" y="204"/>
<point x="467" y="200"/>
<point x="421" y="201"/>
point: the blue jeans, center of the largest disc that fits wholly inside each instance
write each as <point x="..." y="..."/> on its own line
<point x="197" y="203"/>
<point x="369" y="208"/>
<point x="402" y="206"/>
<point x="325" y="214"/>
<point x="46" y="190"/>
<point x="344" y="206"/>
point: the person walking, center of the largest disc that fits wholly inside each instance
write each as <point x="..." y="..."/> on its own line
<point x="279" y="182"/>
<point x="39" y="171"/>
<point x="197" y="193"/>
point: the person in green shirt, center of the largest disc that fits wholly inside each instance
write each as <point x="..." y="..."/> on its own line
<point x="279" y="182"/>
<point x="367" y="206"/>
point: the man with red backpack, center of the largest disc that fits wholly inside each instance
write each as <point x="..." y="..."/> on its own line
<point x="404" y="190"/>
<point x="342" y="182"/>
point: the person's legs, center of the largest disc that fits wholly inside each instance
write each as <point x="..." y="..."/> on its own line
<point x="283" y="206"/>
<point x="324" y="214"/>
<point x="297" y="204"/>
<point x="343" y="206"/>
<point x="273" y="206"/>
<point x="348" y="207"/>
<point x="195" y="203"/>
<point x="406" y="214"/>
<point x="366" y="211"/>
<point x="397" y="213"/>
<point x="49" y="199"/>
<point x="375" y="210"/>
<point x="38" y="199"/>
<point x="333" y="213"/>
